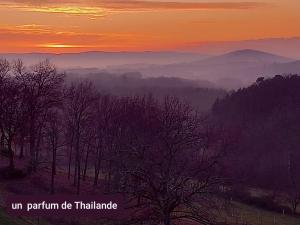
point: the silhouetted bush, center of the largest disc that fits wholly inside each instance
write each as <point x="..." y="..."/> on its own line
<point x="4" y="152"/>
<point x="11" y="174"/>
<point x="264" y="202"/>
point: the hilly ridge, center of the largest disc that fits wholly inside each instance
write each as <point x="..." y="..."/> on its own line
<point x="239" y="68"/>
<point x="101" y="60"/>
<point x="230" y="71"/>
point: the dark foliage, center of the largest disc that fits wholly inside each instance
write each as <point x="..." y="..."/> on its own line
<point x="11" y="174"/>
<point x="265" y="118"/>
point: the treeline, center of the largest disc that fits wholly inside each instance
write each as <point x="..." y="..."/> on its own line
<point x="265" y="120"/>
<point x="161" y="154"/>
<point x="27" y="98"/>
<point x="198" y="93"/>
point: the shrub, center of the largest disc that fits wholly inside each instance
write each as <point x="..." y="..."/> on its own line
<point x="12" y="174"/>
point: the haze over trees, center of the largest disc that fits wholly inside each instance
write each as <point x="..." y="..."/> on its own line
<point x="200" y="94"/>
<point x="231" y="69"/>
<point x="172" y="162"/>
<point x="157" y="152"/>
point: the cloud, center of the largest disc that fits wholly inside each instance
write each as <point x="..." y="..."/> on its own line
<point x="100" y="8"/>
<point x="59" y="45"/>
<point x="47" y="36"/>
<point x="58" y="9"/>
<point x="175" y="5"/>
<point x="25" y="28"/>
<point x="90" y="11"/>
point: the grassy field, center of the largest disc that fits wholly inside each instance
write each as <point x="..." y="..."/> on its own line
<point x="239" y="213"/>
<point x="242" y="214"/>
<point x="7" y="220"/>
<point x="245" y="214"/>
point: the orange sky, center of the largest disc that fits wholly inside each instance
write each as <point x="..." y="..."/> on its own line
<point x="129" y="25"/>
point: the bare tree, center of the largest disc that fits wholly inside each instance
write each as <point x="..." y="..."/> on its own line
<point x="54" y="131"/>
<point x="4" y="69"/>
<point x="90" y="141"/>
<point x="79" y="108"/>
<point x="107" y="125"/>
<point x="10" y="114"/>
<point x="41" y="87"/>
<point x="69" y="136"/>
<point x="19" y="69"/>
<point x="167" y="164"/>
<point x="160" y="154"/>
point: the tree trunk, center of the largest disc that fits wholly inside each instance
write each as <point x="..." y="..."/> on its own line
<point x="53" y="170"/>
<point x="96" y="177"/>
<point x="2" y="141"/>
<point x="86" y="162"/>
<point x="21" y="156"/>
<point x="77" y="148"/>
<point x="97" y="170"/>
<point x="70" y="158"/>
<point x="38" y="144"/>
<point x="78" y="179"/>
<point x="97" y="164"/>
<point x="32" y="163"/>
<point x="167" y="219"/>
<point x="109" y="176"/>
<point x="75" y="174"/>
<point x="11" y="154"/>
<point x="295" y="206"/>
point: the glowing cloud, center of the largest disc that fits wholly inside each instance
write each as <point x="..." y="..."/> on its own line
<point x="176" y="5"/>
<point x="101" y="7"/>
<point x="73" y="10"/>
<point x="56" y="45"/>
<point x="134" y="25"/>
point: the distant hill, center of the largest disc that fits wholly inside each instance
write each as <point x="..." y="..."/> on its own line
<point x="105" y="59"/>
<point x="285" y="68"/>
<point x="231" y="70"/>
<point x="289" y="47"/>
<point x="248" y="55"/>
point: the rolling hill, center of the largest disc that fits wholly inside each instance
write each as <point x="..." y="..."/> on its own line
<point x="103" y="59"/>
<point x="231" y="70"/>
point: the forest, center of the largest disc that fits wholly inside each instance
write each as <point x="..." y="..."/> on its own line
<point x="174" y="159"/>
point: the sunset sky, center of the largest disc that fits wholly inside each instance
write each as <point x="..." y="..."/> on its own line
<point x="129" y="25"/>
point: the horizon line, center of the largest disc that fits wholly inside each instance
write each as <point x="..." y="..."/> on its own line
<point x="175" y="50"/>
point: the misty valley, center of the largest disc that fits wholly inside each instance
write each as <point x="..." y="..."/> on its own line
<point x="184" y="138"/>
<point x="149" y="112"/>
